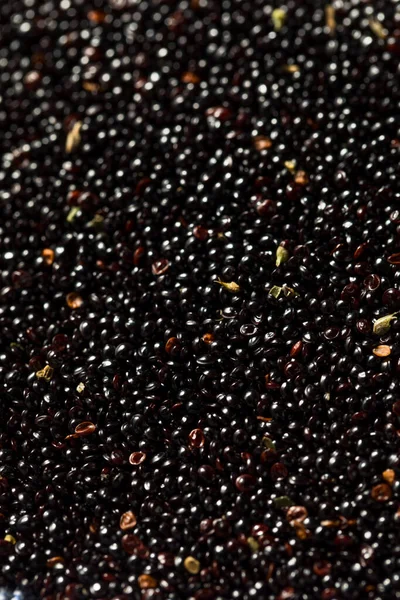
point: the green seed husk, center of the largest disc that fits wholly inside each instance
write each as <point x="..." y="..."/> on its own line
<point x="282" y="255"/>
<point x="283" y="502"/>
<point x="382" y="325"/>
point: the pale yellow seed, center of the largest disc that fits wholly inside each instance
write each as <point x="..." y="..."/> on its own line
<point x="290" y="165"/>
<point x="330" y="18"/>
<point x="291" y="68"/>
<point x="278" y="18"/>
<point x="377" y="28"/>
<point x="72" y="214"/>
<point x="73" y="138"/>
<point x="253" y="544"/>
<point x="80" y="387"/>
<point x="46" y="373"/>
<point x="192" y="565"/>
<point x="231" y="286"/>
<point x="10" y="539"/>
<point x="97" y="221"/>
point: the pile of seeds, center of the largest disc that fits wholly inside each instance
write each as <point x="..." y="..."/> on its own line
<point x="200" y="299"/>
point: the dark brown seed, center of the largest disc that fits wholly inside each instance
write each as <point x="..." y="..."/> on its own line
<point x="54" y="560"/>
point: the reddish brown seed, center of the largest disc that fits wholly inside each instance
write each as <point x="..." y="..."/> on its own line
<point x="394" y="259"/>
<point x="166" y="559"/>
<point x="301" y="178"/>
<point x="127" y="520"/>
<point x="159" y="267"/>
<point x="367" y="554"/>
<point x="264" y="419"/>
<point x="329" y="594"/>
<point x="359" y="251"/>
<point x="136" y="458"/>
<point x="190" y="77"/>
<point x="322" y="568"/>
<point x="200" y="233"/>
<point x="261" y="142"/>
<point x="138" y="255"/>
<point x="85" y="428"/>
<point x="330" y="523"/>
<point x="219" y="112"/>
<point x="296" y="349"/>
<point x="196" y="438"/>
<point x="302" y="532"/>
<point x="54" y="560"/>
<point x="91" y="86"/>
<point x="171" y="344"/>
<point x="147" y="582"/>
<point x="130" y="543"/>
<point x="296" y="514"/>
<point x="381" y="492"/>
<point x="382" y="351"/>
<point x="208" y="338"/>
<point x="48" y="256"/>
<point x="74" y="300"/>
<point x="96" y="16"/>
<point x="271" y="568"/>
<point x="278" y="471"/>
<point x="286" y="593"/>
<point x="389" y="476"/>
<point x="266" y="208"/>
<point x="396" y="408"/>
